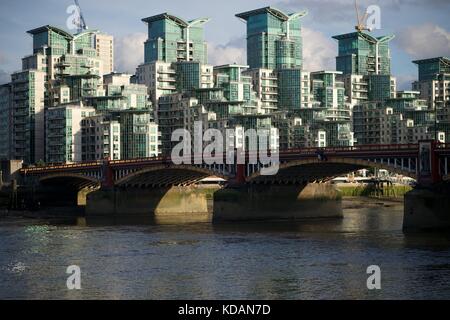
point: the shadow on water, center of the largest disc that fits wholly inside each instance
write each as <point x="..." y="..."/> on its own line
<point x="318" y="258"/>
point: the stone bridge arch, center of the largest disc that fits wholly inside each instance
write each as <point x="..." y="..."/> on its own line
<point x="312" y="170"/>
<point x="163" y="176"/>
<point x="65" y="189"/>
<point x="83" y="180"/>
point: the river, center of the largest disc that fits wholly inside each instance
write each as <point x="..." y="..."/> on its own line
<point x="316" y="259"/>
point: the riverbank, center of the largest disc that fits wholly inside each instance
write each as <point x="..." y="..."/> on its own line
<point x="352" y="196"/>
<point x="370" y="191"/>
<point x="360" y="202"/>
<point x="69" y="213"/>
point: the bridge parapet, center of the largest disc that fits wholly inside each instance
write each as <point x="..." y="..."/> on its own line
<point x="404" y="158"/>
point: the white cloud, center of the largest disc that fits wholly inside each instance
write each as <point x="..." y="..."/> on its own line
<point x="3" y="58"/>
<point x="424" y="41"/>
<point x="129" y="52"/>
<point x="404" y="81"/>
<point x="318" y="51"/>
<point x="4" y="77"/>
<point x="233" y="52"/>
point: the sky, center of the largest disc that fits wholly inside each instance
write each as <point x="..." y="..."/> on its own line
<point x="421" y="27"/>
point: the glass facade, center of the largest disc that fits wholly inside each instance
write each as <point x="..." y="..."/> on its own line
<point x="360" y="53"/>
<point x="332" y="114"/>
<point x="172" y="39"/>
<point x="64" y="133"/>
<point x="188" y="76"/>
<point x="290" y="89"/>
<point x="137" y="129"/>
<point x="51" y="37"/>
<point x="379" y="87"/>
<point x="5" y="121"/>
<point x="236" y="86"/>
<point x="274" y="39"/>
<point x="430" y="68"/>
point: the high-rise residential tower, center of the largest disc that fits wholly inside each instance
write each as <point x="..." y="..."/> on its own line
<point x="172" y="39"/>
<point x="434" y="87"/>
<point x="175" y="57"/>
<point x="274" y="39"/>
<point x="365" y="62"/>
<point x="62" y="68"/>
<point x="64" y="132"/>
<point x="5" y="120"/>
<point x="104" y="45"/>
<point x="27" y="127"/>
<point x="363" y="54"/>
<point x="434" y="81"/>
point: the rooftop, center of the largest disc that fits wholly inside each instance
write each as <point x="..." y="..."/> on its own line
<point x="327" y="71"/>
<point x="231" y="65"/>
<point x="366" y="36"/>
<point x="179" y="21"/>
<point x="62" y="32"/>
<point x="273" y="11"/>
<point x="50" y="28"/>
<point x="444" y="60"/>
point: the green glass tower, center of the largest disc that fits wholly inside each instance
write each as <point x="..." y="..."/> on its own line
<point x="363" y="54"/>
<point x="191" y="75"/>
<point x="236" y="87"/>
<point x="172" y="39"/>
<point x="138" y="133"/>
<point x="430" y="69"/>
<point x="274" y="39"/>
<point x="333" y="114"/>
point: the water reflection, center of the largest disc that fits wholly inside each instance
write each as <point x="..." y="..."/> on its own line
<point x="311" y="259"/>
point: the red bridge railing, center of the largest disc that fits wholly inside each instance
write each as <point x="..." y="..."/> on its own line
<point x="304" y="151"/>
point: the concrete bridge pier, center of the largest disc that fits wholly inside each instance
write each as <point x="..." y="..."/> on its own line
<point x="189" y="204"/>
<point x="273" y="202"/>
<point x="427" y="209"/>
<point x="160" y="205"/>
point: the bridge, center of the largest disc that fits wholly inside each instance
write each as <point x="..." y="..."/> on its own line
<point x="427" y="162"/>
<point x="157" y="190"/>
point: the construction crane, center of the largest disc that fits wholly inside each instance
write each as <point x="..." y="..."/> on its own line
<point x="361" y="22"/>
<point x="81" y="24"/>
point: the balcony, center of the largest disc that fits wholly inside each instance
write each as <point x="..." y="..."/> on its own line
<point x="269" y="77"/>
<point x="166" y="79"/>
<point x="21" y="114"/>
<point x="269" y="99"/>
<point x="167" y="88"/>
<point x="166" y="71"/>
<point x="20" y="97"/>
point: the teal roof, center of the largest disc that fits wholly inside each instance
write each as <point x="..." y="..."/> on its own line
<point x="51" y="28"/>
<point x="273" y="11"/>
<point x="231" y="65"/>
<point x="366" y="36"/>
<point x="444" y="60"/>
<point x="181" y="22"/>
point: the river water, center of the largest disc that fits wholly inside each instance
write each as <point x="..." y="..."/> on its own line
<point x="320" y="259"/>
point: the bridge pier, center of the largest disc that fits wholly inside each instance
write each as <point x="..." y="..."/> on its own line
<point x="163" y="205"/>
<point x="277" y="202"/>
<point x="189" y="204"/>
<point x="427" y="209"/>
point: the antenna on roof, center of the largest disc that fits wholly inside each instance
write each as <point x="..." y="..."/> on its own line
<point x="81" y="23"/>
<point x="361" y="26"/>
